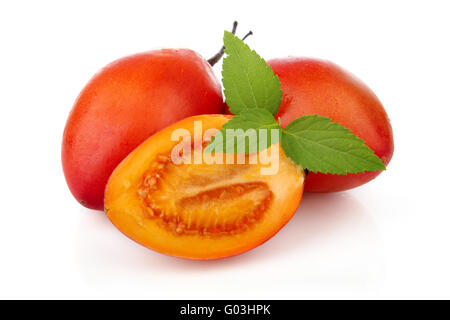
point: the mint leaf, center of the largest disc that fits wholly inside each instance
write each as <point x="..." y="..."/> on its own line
<point x="248" y="81"/>
<point x="319" y="145"/>
<point x="253" y="93"/>
<point x="250" y="131"/>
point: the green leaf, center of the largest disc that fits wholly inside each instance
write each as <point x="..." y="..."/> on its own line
<point x="250" y="131"/>
<point x="319" y="145"/>
<point x="248" y="81"/>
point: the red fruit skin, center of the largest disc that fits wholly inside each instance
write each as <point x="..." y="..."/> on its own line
<point x="312" y="86"/>
<point x="125" y="103"/>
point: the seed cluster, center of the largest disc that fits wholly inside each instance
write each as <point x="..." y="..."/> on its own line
<point x="205" y="202"/>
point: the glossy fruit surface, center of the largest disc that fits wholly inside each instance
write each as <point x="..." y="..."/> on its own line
<point x="199" y="211"/>
<point x="124" y="104"/>
<point x="313" y="86"/>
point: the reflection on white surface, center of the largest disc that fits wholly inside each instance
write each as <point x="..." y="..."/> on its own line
<point x="331" y="243"/>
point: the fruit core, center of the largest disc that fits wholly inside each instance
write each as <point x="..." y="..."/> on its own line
<point x="203" y="199"/>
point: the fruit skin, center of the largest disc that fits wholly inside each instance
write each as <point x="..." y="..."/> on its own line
<point x="312" y="86"/>
<point x="125" y="210"/>
<point x="125" y="103"/>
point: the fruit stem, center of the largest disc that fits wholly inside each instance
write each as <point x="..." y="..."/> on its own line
<point x="214" y="59"/>
<point x="248" y="34"/>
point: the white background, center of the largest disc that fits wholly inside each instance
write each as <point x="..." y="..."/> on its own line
<point x="387" y="239"/>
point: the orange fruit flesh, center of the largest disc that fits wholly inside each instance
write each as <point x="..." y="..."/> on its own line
<point x="199" y="211"/>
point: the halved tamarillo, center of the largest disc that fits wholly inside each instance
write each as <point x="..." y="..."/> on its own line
<point x="200" y="210"/>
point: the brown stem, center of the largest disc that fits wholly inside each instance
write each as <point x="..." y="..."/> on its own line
<point x="213" y="60"/>
<point x="247" y="35"/>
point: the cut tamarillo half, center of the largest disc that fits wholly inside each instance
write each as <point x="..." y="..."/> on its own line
<point x="200" y="210"/>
